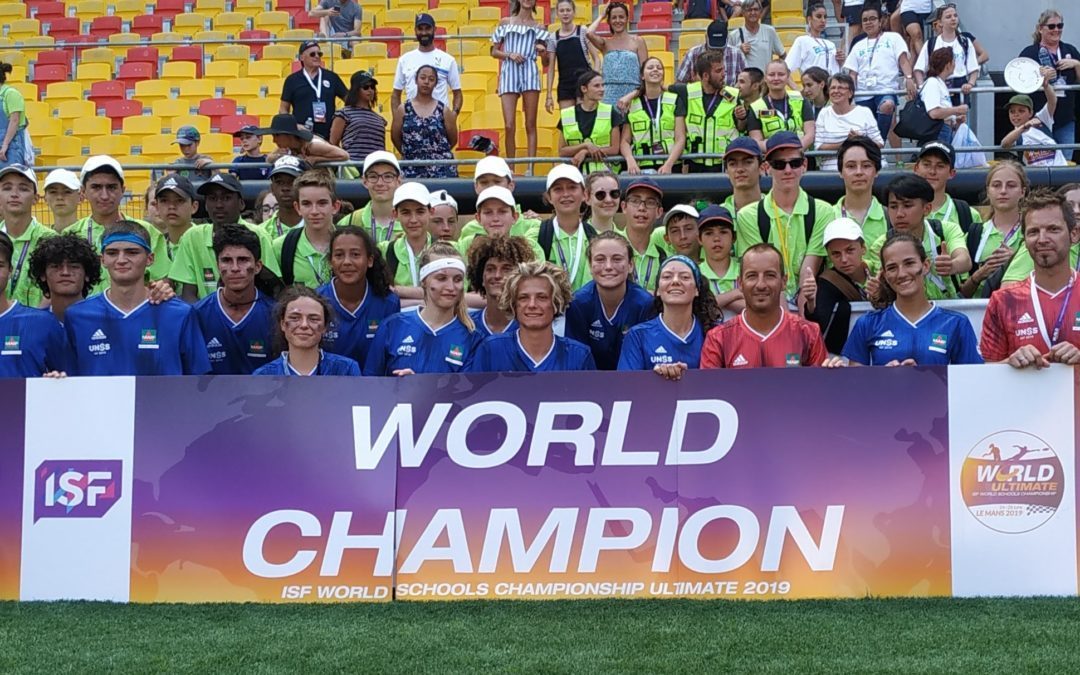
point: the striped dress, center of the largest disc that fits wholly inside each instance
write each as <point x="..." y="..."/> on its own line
<point x="517" y="38"/>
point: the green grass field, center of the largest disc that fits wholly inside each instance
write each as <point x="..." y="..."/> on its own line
<point x="576" y="636"/>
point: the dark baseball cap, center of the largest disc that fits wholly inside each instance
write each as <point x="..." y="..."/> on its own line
<point x="226" y="181"/>
<point x="645" y="183"/>
<point x="781" y="141"/>
<point x="716" y="34"/>
<point x="1022" y="99"/>
<point x="743" y="145"/>
<point x="423" y="18"/>
<point x="715" y="216"/>
<point x="175" y="183"/>
<point x="306" y="45"/>
<point x="187" y="136"/>
<point x="248" y="129"/>
<point x="943" y="150"/>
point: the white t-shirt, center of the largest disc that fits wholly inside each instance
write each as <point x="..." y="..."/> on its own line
<point x="832" y="127"/>
<point x="935" y="94"/>
<point x="447" y="67"/>
<point x="1039" y="136"/>
<point x="876" y="62"/>
<point x="807" y="52"/>
<point x="963" y="64"/>
<point x="917" y="6"/>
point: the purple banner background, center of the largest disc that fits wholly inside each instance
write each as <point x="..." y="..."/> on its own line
<point x="13" y="403"/>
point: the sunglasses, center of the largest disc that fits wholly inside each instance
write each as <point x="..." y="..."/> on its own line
<point x="781" y="164"/>
<point x="319" y="54"/>
<point x="604" y="194"/>
<point x="1055" y="26"/>
<point x="367" y="87"/>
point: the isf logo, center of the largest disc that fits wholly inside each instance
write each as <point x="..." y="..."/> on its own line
<point x="87" y="488"/>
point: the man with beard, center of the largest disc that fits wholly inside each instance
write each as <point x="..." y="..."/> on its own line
<point x="427" y="55"/>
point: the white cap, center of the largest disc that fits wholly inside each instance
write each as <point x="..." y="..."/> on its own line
<point x="494" y="166"/>
<point x="567" y="171"/>
<point x="24" y="171"/>
<point x="63" y="177"/>
<point x="497" y="192"/>
<point x="100" y="162"/>
<point x="843" y="228"/>
<point x="681" y="208"/>
<point x="443" y="198"/>
<point x="412" y="192"/>
<point x="381" y="157"/>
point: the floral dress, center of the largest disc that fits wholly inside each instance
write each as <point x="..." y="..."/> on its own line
<point x="425" y="138"/>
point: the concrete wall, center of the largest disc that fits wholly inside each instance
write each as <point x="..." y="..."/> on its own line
<point x="1004" y="27"/>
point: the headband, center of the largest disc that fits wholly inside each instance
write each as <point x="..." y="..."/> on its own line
<point x="129" y="237"/>
<point x="441" y="264"/>
<point x="684" y="260"/>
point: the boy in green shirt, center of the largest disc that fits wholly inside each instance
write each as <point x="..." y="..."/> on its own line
<point x="492" y="171"/>
<point x="282" y="176"/>
<point x="935" y="162"/>
<point x="412" y="210"/>
<point x="18" y="194"/>
<point x="382" y="177"/>
<point x="858" y="160"/>
<point x="317" y="202"/>
<point x="716" y="232"/>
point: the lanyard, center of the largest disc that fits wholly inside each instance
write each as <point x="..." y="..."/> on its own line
<point x="711" y="107"/>
<point x="775" y="109"/>
<point x="648" y="273"/>
<point x="90" y="231"/>
<point x="277" y="225"/>
<point x="655" y="116"/>
<point x="870" y="61"/>
<point x="782" y="231"/>
<point x="572" y="269"/>
<point x="414" y="274"/>
<point x="315" y="270"/>
<point x="18" y="268"/>
<point x="986" y="237"/>
<point x="1051" y="338"/>
<point x="844" y="212"/>
<point x="932" y="250"/>
<point x="375" y="226"/>
<point x="316" y="86"/>
<point x="948" y="212"/>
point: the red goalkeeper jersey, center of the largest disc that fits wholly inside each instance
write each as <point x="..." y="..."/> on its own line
<point x="1025" y="314"/>
<point x="793" y="342"/>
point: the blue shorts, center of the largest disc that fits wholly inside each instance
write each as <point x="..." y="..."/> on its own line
<point x="853" y="15"/>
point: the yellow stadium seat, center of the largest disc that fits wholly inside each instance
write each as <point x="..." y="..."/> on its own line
<point x="216" y="144"/>
<point x="691" y="25"/>
<point x="479" y="64"/>
<point x="280" y="52"/>
<point x="178" y="70"/>
<point x="123" y="39"/>
<point x="788" y="37"/>
<point x="487" y="119"/>
<point x="65" y="91"/>
<point x="43" y="127"/>
<point x="264" y="108"/>
<point x="210" y="36"/>
<point x="479" y="82"/>
<point x="489" y="102"/>
<point x="210" y="7"/>
<point x="481" y="15"/>
<point x="346" y="67"/>
<point x="232" y="53"/>
<point x="93" y="72"/>
<point x="367" y="50"/>
<point x="668" y="59"/>
<point x="414" y="6"/>
<point x="12" y="10"/>
<point x="463" y="49"/>
<point x="736" y="22"/>
<point x="189" y="24"/>
<point x="231" y="22"/>
<point x="298" y="34"/>
<point x="129" y="9"/>
<point x="6" y="42"/>
<point x="72" y="110"/>
<point x="385" y="69"/>
<point x="655" y="43"/>
<point x="399" y="18"/>
<point x="242" y="87"/>
<point x="152" y="90"/>
<point x="787" y="7"/>
<point x="200" y="122"/>
<point x="687" y="41"/>
<point x="167" y="36"/>
<point x="159" y="146"/>
<point x="36" y="43"/>
<point x="17" y="74"/>
<point x="23" y="28"/>
<point x="53" y="145"/>
<point x="266" y="69"/>
<point x="91" y="126"/>
<point x="15" y="58"/>
<point x="29" y="91"/>
<point x="272" y="21"/>
<point x="197" y="90"/>
<point x="222" y="69"/>
<point x="110" y="145"/>
<point x="98" y="55"/>
<point x="170" y="107"/>
<point x="795" y="22"/>
<point x="273" y="87"/>
<point x="145" y="125"/>
<point x="446" y="16"/>
<point x="251" y="6"/>
<point x="37" y="110"/>
<point x="88" y="9"/>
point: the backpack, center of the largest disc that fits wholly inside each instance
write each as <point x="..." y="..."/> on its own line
<point x="764" y="226"/>
<point x="288" y="254"/>
<point x="842" y="284"/>
<point x="391" y="260"/>
<point x="938" y="228"/>
<point x="546" y="237"/>
<point x="965" y="44"/>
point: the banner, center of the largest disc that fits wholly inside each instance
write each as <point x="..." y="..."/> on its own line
<point x="773" y="483"/>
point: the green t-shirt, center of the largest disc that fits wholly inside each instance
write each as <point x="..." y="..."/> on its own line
<point x="310" y="267"/>
<point x="937" y="288"/>
<point x="274" y="228"/>
<point x="524" y="227"/>
<point x="408" y="270"/>
<point x="647" y="266"/>
<point x="947" y="212"/>
<point x="194" y="262"/>
<point x="1022" y="265"/>
<point x="362" y="219"/>
<point x="516" y="230"/>
<point x="715" y="282"/>
<point x="568" y="251"/>
<point x="13" y="102"/>
<point x="874" y="226"/>
<point x="21" y="285"/>
<point x="787" y="233"/>
<point x="94" y="231"/>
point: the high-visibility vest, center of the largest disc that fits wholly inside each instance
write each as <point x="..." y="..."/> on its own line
<point x="645" y="137"/>
<point x="772" y="121"/>
<point x="600" y="136"/>
<point x="710" y="133"/>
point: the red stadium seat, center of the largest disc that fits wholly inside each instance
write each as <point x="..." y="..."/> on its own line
<point x="465" y="135"/>
<point x="118" y="110"/>
<point x="440" y="43"/>
<point x="501" y="4"/>
<point x="148" y="24"/>
<point x="130" y="73"/>
<point x="170" y="8"/>
<point x="654" y="22"/>
<point x="256" y="47"/>
<point x="46" y="11"/>
<point x="305" y="20"/>
<point x="46" y="75"/>
<point x="56" y="57"/>
<point x="64" y="29"/>
<point x="230" y="124"/>
<point x="101" y="92"/>
<point x="104" y="26"/>
<point x="143" y="55"/>
<point x="194" y="54"/>
<point x="291" y="6"/>
<point x="216" y="108"/>
<point x="393" y="47"/>
<point x="656" y="9"/>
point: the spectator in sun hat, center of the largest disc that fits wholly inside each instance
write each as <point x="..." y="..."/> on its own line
<point x="293" y="139"/>
<point x="357" y="127"/>
<point x="311" y="93"/>
<point x="251" y="153"/>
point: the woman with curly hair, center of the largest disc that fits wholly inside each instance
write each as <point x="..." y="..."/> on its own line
<point x="535" y="294"/>
<point x="65" y="268"/>
<point x="671" y="343"/>
<point x="491" y="261"/>
<point x="301" y="319"/>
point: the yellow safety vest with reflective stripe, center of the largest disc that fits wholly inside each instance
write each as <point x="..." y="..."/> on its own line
<point x="643" y="132"/>
<point x="710" y="134"/>
<point x="600" y="136"/>
<point x="772" y="122"/>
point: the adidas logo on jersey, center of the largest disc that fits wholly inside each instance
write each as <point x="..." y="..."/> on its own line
<point x="213" y="343"/>
<point x="596" y="324"/>
<point x="408" y="340"/>
<point x="740" y="360"/>
<point x="661" y="350"/>
<point x="1026" y="318"/>
<point x="887" y="334"/>
<point x="406" y="348"/>
<point x="98" y="335"/>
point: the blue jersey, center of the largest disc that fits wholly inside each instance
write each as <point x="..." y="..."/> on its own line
<point x="504" y="354"/>
<point x="160" y="339"/>
<point x="352" y="333"/>
<point x="406" y="341"/>
<point x="941" y="337"/>
<point x="236" y="348"/>
<point x="34" y="342"/>
<point x="587" y="323"/>
<point x="477" y="315"/>
<point x="652" y="343"/>
<point x="329" y="364"/>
